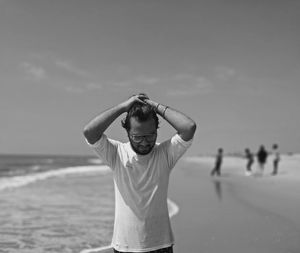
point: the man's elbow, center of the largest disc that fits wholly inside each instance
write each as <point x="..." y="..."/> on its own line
<point x="192" y="128"/>
<point x="86" y="132"/>
<point x="89" y="136"/>
<point x="189" y="131"/>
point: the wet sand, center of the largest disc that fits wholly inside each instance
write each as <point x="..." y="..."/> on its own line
<point x="235" y="213"/>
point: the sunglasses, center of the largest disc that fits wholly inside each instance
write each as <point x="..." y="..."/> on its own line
<point x="139" y="138"/>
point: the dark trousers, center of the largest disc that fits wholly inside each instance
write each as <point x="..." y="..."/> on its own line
<point x="216" y="170"/>
<point x="164" y="250"/>
<point x="275" y="167"/>
<point x="249" y="164"/>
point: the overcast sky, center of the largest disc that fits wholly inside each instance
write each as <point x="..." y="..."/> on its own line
<point x="233" y="66"/>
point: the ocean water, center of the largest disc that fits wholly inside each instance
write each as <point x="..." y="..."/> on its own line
<point x="54" y="204"/>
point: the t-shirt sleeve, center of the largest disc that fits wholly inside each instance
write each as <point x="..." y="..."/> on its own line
<point x="175" y="148"/>
<point x="106" y="149"/>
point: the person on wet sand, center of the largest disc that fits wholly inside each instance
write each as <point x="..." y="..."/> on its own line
<point x="262" y="156"/>
<point x="250" y="160"/>
<point x="141" y="168"/>
<point x="218" y="163"/>
<point x="276" y="158"/>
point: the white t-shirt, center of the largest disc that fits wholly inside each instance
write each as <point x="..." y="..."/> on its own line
<point x="141" y="187"/>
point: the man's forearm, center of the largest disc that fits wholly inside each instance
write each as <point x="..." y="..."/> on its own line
<point x="97" y="126"/>
<point x="184" y="125"/>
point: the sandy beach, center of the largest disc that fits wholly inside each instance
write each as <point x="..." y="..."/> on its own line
<point x="235" y="213"/>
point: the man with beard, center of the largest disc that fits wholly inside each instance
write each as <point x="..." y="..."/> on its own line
<point x="141" y="169"/>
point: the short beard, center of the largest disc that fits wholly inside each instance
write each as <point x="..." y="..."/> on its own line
<point x="138" y="152"/>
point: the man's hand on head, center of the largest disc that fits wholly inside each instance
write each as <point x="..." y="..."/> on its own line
<point x="143" y="96"/>
<point x="139" y="98"/>
<point x="150" y="102"/>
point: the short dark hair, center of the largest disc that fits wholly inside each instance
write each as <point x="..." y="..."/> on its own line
<point x="142" y="112"/>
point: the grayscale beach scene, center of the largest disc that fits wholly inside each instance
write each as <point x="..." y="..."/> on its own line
<point x="230" y="69"/>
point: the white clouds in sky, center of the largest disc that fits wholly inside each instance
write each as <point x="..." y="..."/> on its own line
<point x="189" y="85"/>
<point x="82" y="87"/>
<point x="122" y="84"/>
<point x="86" y="84"/>
<point x="137" y="81"/>
<point x="66" y="75"/>
<point x="185" y="84"/>
<point x="178" y="85"/>
<point x="72" y="89"/>
<point x="71" y="68"/>
<point x="236" y="80"/>
<point x="224" y="73"/>
<point x="59" y="73"/>
<point x="35" y="72"/>
<point x="148" y="80"/>
<point x="94" y="86"/>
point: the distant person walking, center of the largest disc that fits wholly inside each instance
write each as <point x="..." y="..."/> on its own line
<point x="262" y="156"/>
<point x="276" y="158"/>
<point x="250" y="160"/>
<point x="218" y="163"/>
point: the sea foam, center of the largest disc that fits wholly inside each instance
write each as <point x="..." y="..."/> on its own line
<point x="18" y="181"/>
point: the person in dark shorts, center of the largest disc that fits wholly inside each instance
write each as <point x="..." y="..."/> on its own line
<point x="250" y="160"/>
<point x="218" y="163"/>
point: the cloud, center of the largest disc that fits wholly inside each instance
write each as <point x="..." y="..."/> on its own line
<point x="72" y="80"/>
<point x="71" y="68"/>
<point x="180" y="92"/>
<point x="189" y="85"/>
<point x="202" y="83"/>
<point x="73" y="89"/>
<point x="137" y="81"/>
<point x="94" y="86"/>
<point x="147" y="80"/>
<point x="81" y="88"/>
<point x="179" y="85"/>
<point x="78" y="87"/>
<point x="35" y="72"/>
<point x="225" y="73"/>
<point x="183" y="77"/>
<point x="122" y="84"/>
